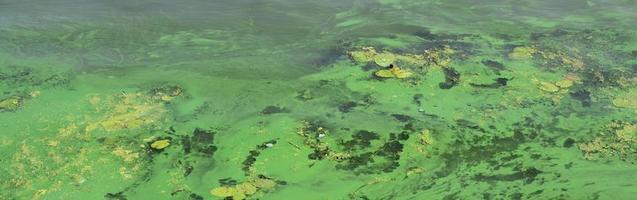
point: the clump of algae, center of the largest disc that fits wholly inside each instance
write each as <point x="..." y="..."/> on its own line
<point x="439" y="57"/>
<point x="127" y="111"/>
<point x="522" y="53"/>
<point x="393" y="71"/>
<point x="243" y="190"/>
<point x="369" y="54"/>
<point x="11" y="103"/>
<point x="425" y="137"/>
<point x="160" y="144"/>
<point x="626" y="100"/>
<point x="620" y="141"/>
<point x="558" y="89"/>
<point x="115" y="112"/>
<point x="559" y="59"/>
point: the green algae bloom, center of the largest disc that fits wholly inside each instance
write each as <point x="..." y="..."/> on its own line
<point x="377" y="99"/>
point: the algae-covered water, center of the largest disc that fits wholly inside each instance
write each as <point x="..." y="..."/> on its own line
<point x="331" y="99"/>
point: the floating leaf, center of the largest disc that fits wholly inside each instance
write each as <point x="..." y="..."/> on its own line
<point x="246" y="188"/>
<point x="224" y="191"/>
<point x="384" y="73"/>
<point x="548" y="87"/>
<point x="566" y="83"/>
<point x="402" y="74"/>
<point x="393" y="72"/>
<point x="384" y="59"/>
<point x="238" y="196"/>
<point x="160" y="144"/>
<point x="264" y="183"/>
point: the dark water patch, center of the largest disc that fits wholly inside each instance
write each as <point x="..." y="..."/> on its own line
<point x="528" y="175"/>
<point x="402" y="118"/>
<point x="499" y="82"/>
<point x="417" y="99"/>
<point x="330" y="55"/>
<point x="227" y="182"/>
<point x="254" y="154"/>
<point x="583" y="96"/>
<point x="371" y="66"/>
<point x="194" y="196"/>
<point x="452" y="78"/>
<point x="347" y="106"/>
<point x="115" y="196"/>
<point x="360" y="140"/>
<point x="357" y="161"/>
<point x="273" y="110"/>
<point x="426" y="34"/>
<point x="495" y="66"/>
<point x="474" y="154"/>
<point x="201" y="142"/>
<point x="29" y="76"/>
<point x="568" y="143"/>
<point x="382" y="160"/>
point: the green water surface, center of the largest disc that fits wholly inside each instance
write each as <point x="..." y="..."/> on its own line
<point x="294" y="99"/>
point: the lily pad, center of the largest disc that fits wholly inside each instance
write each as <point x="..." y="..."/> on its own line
<point x="384" y="59"/>
<point x="224" y="191"/>
<point x="160" y="144"/>
<point x="393" y="72"/>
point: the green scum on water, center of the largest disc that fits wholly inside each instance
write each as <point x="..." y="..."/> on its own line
<point x="384" y="99"/>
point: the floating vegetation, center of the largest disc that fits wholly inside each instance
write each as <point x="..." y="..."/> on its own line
<point x="626" y="100"/>
<point x="243" y="190"/>
<point x="160" y="144"/>
<point x="345" y="100"/>
<point x="11" y="103"/>
<point x="130" y="110"/>
<point x="521" y="53"/>
<point x="620" y="139"/>
<point x="393" y="71"/>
